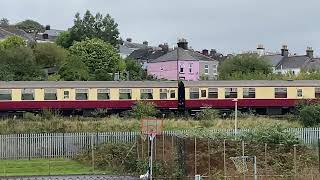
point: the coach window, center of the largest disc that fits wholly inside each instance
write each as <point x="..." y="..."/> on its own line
<point x="103" y="94"/>
<point x="66" y="94"/>
<point x="172" y="94"/>
<point x="299" y="92"/>
<point x="50" y="94"/>
<point x="27" y="94"/>
<point x="317" y="92"/>
<point x="163" y="94"/>
<point x="249" y="93"/>
<point x="213" y="93"/>
<point x="82" y="94"/>
<point x="231" y="92"/>
<point x="5" y="94"/>
<point x="194" y="93"/>
<point x="125" y="93"/>
<point x="280" y="92"/>
<point x="203" y="93"/>
<point x="146" y="94"/>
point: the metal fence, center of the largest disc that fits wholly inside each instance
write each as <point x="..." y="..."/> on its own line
<point x="63" y="145"/>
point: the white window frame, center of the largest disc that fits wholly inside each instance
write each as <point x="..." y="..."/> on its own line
<point x="206" y="68"/>
<point x="190" y="67"/>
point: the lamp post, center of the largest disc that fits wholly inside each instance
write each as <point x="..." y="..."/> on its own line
<point x="235" y="116"/>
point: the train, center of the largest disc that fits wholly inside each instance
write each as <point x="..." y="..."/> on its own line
<point x="260" y="96"/>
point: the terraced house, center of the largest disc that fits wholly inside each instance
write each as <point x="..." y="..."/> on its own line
<point x="183" y="63"/>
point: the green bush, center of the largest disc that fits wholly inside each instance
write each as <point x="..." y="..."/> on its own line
<point x="144" y="109"/>
<point x="100" y="113"/>
<point x="31" y="116"/>
<point x="207" y="114"/>
<point x="309" y="115"/>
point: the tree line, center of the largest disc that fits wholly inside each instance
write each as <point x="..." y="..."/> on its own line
<point x="86" y="51"/>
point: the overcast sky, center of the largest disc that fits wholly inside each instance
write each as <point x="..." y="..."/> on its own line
<point x="230" y="26"/>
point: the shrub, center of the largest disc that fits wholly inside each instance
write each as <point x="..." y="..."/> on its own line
<point x="144" y="109"/>
<point x="100" y="113"/>
<point x="207" y="115"/>
<point x="31" y="116"/>
<point x="309" y="115"/>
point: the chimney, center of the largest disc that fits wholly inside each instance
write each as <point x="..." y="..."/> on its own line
<point x="145" y="43"/>
<point x="213" y="52"/>
<point x="182" y="43"/>
<point x="284" y="51"/>
<point x="48" y="27"/>
<point x="164" y="47"/>
<point x="309" y="52"/>
<point x="129" y="39"/>
<point x="205" y="52"/>
<point x="260" y="50"/>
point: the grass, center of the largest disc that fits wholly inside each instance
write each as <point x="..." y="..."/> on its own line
<point x="114" y="123"/>
<point x="37" y="167"/>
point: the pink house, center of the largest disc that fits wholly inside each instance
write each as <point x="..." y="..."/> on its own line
<point x="181" y="63"/>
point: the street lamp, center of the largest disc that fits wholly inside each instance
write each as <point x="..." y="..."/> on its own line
<point x="235" y="116"/>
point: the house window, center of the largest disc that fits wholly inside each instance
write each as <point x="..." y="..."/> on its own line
<point x="27" y="94"/>
<point x="103" y="94"/>
<point x="280" y="92"/>
<point x="231" y="92"/>
<point x="249" y="93"/>
<point x="299" y="92"/>
<point x="163" y="94"/>
<point x="203" y="93"/>
<point x="317" y="92"/>
<point x="206" y="69"/>
<point x="66" y="94"/>
<point x="215" y="66"/>
<point x="190" y="68"/>
<point x="194" y="93"/>
<point x="50" y="94"/>
<point x="82" y="94"/>
<point x="213" y="93"/>
<point x="125" y="93"/>
<point x="172" y="94"/>
<point x="181" y="69"/>
<point x="5" y="94"/>
<point x="146" y="94"/>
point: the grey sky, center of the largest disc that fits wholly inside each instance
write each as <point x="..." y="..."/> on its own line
<point x="226" y="25"/>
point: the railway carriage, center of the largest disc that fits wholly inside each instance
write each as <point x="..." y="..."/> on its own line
<point x="266" y="97"/>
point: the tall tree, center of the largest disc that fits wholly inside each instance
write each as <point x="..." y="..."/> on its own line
<point x="64" y="39"/>
<point x="74" y="69"/>
<point x="30" y="26"/>
<point x="4" y="22"/>
<point x="94" y="26"/>
<point x="18" y="64"/>
<point x="100" y="58"/>
<point x="244" y="66"/>
<point x="49" y="55"/>
<point x="135" y="70"/>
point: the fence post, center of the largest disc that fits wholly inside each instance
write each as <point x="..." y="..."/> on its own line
<point x="195" y="156"/>
<point x="29" y="147"/>
<point x="295" y="159"/>
<point x="63" y="145"/>
<point x="209" y="158"/>
<point x="92" y="153"/>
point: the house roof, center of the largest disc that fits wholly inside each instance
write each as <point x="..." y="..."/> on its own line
<point x="182" y="55"/>
<point x="313" y="64"/>
<point x="273" y="60"/>
<point x="146" y="54"/>
<point x="132" y="45"/>
<point x="53" y="32"/>
<point x="12" y="31"/>
<point x="293" y="62"/>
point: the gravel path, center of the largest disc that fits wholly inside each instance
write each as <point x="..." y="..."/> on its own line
<point x="85" y="177"/>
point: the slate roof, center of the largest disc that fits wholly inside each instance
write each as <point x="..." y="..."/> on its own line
<point x="293" y="62"/>
<point x="183" y="55"/>
<point x="53" y="32"/>
<point x="273" y="60"/>
<point x="12" y="31"/>
<point x="134" y="45"/>
<point x="146" y="54"/>
<point x="313" y="64"/>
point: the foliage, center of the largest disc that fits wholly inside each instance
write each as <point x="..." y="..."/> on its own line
<point x="244" y="65"/>
<point x="49" y="55"/>
<point x="90" y="26"/>
<point x="100" y="113"/>
<point x="13" y="42"/>
<point x="207" y="114"/>
<point x="64" y="39"/>
<point x="144" y="109"/>
<point x="30" y="26"/>
<point x="18" y="64"/>
<point x="309" y="115"/>
<point x="135" y="70"/>
<point x="271" y="135"/>
<point x="74" y="69"/>
<point x="4" y="22"/>
<point x="100" y="58"/>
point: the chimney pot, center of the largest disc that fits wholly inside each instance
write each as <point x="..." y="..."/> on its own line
<point x="145" y="43"/>
<point x="48" y="27"/>
<point x="182" y="43"/>
<point x="309" y="52"/>
<point x="129" y="39"/>
<point x="284" y="51"/>
<point x="260" y="50"/>
<point x="205" y="52"/>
